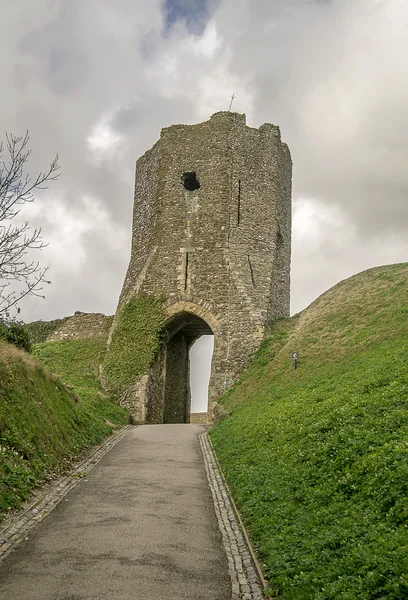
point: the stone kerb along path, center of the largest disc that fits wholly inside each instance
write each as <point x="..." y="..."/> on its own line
<point x="246" y="578"/>
<point x="15" y="529"/>
<point x="138" y="521"/>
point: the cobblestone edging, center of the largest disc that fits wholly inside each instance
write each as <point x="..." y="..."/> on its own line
<point x="246" y="579"/>
<point x="14" y="532"/>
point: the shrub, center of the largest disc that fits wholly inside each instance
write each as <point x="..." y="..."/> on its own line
<point x="15" y="333"/>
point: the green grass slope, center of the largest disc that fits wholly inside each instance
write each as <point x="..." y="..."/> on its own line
<point x="317" y="458"/>
<point x="76" y="363"/>
<point x="44" y="424"/>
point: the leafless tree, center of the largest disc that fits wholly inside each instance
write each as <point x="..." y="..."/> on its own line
<point x="20" y="276"/>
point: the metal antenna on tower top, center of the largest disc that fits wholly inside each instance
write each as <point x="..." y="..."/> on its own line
<point x="232" y="100"/>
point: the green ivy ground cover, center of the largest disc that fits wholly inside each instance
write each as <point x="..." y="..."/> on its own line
<point x="135" y="342"/>
<point x="317" y="458"/>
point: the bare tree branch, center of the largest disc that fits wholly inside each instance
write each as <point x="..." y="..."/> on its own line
<point x="19" y="275"/>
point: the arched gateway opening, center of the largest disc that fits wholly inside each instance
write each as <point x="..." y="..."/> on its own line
<point x="183" y="330"/>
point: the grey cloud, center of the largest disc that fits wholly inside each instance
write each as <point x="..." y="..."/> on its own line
<point x="330" y="74"/>
<point x="61" y="48"/>
<point x="319" y="70"/>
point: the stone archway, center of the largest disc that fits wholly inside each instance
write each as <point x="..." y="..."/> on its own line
<point x="183" y="329"/>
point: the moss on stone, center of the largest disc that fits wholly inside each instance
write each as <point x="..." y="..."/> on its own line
<point x="135" y="342"/>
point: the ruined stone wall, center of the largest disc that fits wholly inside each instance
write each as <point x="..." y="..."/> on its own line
<point x="78" y="326"/>
<point x="83" y="325"/>
<point x="221" y="251"/>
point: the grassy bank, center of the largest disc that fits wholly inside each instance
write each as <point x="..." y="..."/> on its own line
<point x="317" y="458"/>
<point x="44" y="424"/>
<point x="76" y="363"/>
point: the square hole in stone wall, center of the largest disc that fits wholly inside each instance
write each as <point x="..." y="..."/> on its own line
<point x="190" y="181"/>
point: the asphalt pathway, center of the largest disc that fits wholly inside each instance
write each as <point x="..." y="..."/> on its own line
<point x="141" y="526"/>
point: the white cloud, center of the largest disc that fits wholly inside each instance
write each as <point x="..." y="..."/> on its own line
<point x="103" y="141"/>
<point x="208" y="43"/>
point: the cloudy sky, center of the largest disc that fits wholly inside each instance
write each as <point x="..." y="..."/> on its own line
<point x="96" y="80"/>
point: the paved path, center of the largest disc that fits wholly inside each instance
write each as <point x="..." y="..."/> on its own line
<point x="141" y="526"/>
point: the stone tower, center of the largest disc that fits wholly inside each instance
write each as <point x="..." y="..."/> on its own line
<point x="212" y="236"/>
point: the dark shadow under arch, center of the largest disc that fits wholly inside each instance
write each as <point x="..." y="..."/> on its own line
<point x="182" y="331"/>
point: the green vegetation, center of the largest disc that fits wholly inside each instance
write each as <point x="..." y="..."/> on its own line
<point x="44" y="424"/>
<point x="39" y="331"/>
<point x="16" y="334"/>
<point x="76" y="363"/>
<point x="317" y="458"/>
<point x="52" y="406"/>
<point x="135" y="342"/>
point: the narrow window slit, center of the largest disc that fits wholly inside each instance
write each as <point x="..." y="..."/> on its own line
<point x="186" y="273"/>
<point x="252" y="272"/>
<point x="239" y="203"/>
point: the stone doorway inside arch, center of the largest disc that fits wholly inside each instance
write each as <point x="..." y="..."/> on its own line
<point x="184" y="331"/>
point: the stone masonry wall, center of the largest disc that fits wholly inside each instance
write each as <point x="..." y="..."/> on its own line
<point x="200" y="418"/>
<point x="82" y="325"/>
<point x="221" y="252"/>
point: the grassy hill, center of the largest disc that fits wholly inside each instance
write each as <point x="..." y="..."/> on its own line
<point x="50" y="411"/>
<point x="317" y="458"/>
